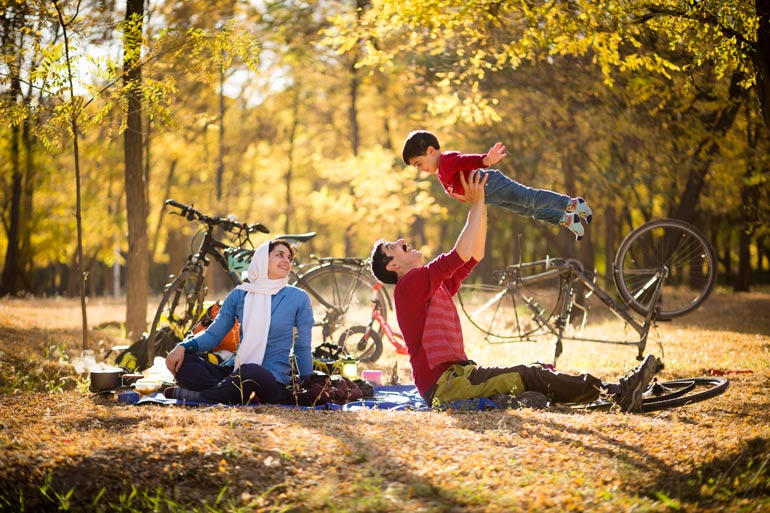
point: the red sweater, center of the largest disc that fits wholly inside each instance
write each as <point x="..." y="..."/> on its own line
<point x="412" y="294"/>
<point x="452" y="164"/>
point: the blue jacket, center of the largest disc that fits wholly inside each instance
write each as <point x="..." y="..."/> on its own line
<point x="290" y="309"/>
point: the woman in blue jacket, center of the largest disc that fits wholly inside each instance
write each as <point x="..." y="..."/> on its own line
<point x="269" y="312"/>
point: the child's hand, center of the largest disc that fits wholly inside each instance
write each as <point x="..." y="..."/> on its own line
<point x="494" y="155"/>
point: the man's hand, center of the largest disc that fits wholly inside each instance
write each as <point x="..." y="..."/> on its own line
<point x="494" y="155"/>
<point x="174" y="359"/>
<point x="474" y="189"/>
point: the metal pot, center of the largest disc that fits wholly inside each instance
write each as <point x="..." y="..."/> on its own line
<point x="106" y="379"/>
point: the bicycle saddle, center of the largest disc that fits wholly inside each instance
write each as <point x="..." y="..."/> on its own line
<point x="296" y="238"/>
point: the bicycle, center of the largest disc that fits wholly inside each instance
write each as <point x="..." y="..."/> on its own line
<point x="368" y="347"/>
<point x="663" y="269"/>
<point x="672" y="394"/>
<point x="337" y="286"/>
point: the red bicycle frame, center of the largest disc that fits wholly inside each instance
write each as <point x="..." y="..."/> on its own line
<point x="392" y="336"/>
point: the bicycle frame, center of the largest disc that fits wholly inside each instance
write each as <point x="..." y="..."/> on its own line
<point x="199" y="262"/>
<point x="337" y="286"/>
<point x="332" y="314"/>
<point x="376" y="316"/>
<point x="572" y="272"/>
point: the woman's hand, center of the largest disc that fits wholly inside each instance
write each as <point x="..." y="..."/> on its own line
<point x="174" y="359"/>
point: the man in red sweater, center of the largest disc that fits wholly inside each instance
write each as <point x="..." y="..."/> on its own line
<point x="432" y="332"/>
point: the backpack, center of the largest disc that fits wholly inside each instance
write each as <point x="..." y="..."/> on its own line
<point x="230" y="341"/>
<point x="327" y="358"/>
<point x="134" y="358"/>
<point x="320" y="388"/>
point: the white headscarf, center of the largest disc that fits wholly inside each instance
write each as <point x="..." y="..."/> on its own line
<point x="257" y="307"/>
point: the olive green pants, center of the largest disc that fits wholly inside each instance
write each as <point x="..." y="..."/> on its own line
<point x="470" y="381"/>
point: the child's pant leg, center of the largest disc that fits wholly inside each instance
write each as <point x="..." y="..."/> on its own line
<point x="542" y="204"/>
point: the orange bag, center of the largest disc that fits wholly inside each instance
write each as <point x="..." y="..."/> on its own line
<point x="230" y="341"/>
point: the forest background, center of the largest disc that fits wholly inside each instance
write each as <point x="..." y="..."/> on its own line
<point x="292" y="114"/>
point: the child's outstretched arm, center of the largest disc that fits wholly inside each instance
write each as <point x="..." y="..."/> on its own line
<point x="494" y="155"/>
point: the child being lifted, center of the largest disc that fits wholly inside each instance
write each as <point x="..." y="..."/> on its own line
<point x="422" y="150"/>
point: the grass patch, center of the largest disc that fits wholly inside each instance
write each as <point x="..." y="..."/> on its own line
<point x="63" y="449"/>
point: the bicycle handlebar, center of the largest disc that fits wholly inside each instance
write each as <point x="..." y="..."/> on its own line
<point x="229" y="224"/>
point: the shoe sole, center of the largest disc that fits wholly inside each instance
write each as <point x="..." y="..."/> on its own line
<point x="648" y="366"/>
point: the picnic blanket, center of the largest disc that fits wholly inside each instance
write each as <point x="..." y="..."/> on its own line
<point x="386" y="397"/>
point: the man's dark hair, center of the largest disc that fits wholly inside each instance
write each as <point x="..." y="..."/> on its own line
<point x="379" y="261"/>
<point x="417" y="144"/>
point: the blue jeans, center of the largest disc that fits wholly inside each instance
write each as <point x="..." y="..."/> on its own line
<point x="542" y="204"/>
<point x="251" y="384"/>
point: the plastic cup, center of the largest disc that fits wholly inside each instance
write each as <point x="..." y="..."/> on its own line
<point x="372" y="376"/>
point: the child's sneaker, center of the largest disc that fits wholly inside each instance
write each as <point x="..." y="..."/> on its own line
<point x="572" y="223"/>
<point x="581" y="208"/>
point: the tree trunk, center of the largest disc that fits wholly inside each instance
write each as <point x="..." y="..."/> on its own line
<point x="290" y="163"/>
<point x="27" y="194"/>
<point x="10" y="282"/>
<point x="221" y="153"/>
<point x="706" y="151"/>
<point x="762" y="58"/>
<point x="137" y="264"/>
<point x="610" y="245"/>
<point x="748" y="213"/>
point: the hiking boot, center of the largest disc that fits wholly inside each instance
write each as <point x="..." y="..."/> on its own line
<point x="633" y="385"/>
<point x="572" y="223"/>
<point x="581" y="208"/>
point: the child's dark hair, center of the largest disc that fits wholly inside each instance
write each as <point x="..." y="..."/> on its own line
<point x="417" y="144"/>
<point x="379" y="262"/>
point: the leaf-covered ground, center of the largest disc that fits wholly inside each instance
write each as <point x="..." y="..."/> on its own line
<point x="62" y="447"/>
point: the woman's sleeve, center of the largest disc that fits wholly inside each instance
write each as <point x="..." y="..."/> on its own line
<point x="209" y="338"/>
<point x="303" y="344"/>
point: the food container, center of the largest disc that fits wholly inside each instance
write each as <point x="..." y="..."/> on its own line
<point x="147" y="385"/>
<point x="372" y="376"/>
<point x="106" y="379"/>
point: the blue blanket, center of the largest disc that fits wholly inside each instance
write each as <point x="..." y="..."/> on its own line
<point x="390" y="397"/>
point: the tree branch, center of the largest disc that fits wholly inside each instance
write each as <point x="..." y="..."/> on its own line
<point x="656" y="11"/>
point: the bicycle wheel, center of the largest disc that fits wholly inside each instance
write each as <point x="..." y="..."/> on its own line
<point x="512" y="311"/>
<point x="680" y="392"/>
<point x="179" y="308"/>
<point x="686" y="254"/>
<point x="341" y="297"/>
<point x="673" y="394"/>
<point x="353" y="343"/>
